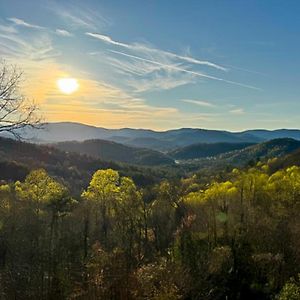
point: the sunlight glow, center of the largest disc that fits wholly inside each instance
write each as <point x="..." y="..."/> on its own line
<point x="67" y="85"/>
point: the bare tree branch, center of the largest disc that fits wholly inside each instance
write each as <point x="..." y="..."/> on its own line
<point x="16" y="111"/>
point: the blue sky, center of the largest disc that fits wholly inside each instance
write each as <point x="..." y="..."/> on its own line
<point x="159" y="64"/>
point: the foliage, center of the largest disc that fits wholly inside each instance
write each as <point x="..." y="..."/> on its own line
<point x="290" y="291"/>
<point x="236" y="238"/>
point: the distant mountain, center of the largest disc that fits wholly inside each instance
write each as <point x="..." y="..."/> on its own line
<point x="148" y="142"/>
<point x="196" y="151"/>
<point x="112" y="151"/>
<point x="156" y="140"/>
<point x="274" y="134"/>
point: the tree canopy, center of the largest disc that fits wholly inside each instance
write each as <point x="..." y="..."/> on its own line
<point x="224" y="239"/>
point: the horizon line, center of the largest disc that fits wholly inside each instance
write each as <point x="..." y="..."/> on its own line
<point x="170" y="129"/>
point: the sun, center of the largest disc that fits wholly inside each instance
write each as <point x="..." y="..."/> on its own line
<point x="67" y="85"/>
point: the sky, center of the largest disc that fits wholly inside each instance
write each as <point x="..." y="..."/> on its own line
<point x="159" y="64"/>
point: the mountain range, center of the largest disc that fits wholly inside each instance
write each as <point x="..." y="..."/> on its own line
<point x="156" y="140"/>
<point x="74" y="162"/>
<point x="71" y="149"/>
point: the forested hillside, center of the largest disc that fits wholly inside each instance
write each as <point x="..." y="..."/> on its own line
<point x="195" y="151"/>
<point x="269" y="149"/>
<point x="74" y="170"/>
<point x="111" y="151"/>
<point x="275" y="150"/>
<point x="287" y="160"/>
<point x="76" y="227"/>
<point x="232" y="239"/>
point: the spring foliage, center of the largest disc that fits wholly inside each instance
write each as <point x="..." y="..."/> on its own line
<point x="231" y="239"/>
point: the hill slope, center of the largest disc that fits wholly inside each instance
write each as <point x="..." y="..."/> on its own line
<point x="205" y="150"/>
<point x="286" y="151"/>
<point x="266" y="150"/>
<point x="111" y="151"/>
<point x="292" y="159"/>
<point x="18" y="158"/>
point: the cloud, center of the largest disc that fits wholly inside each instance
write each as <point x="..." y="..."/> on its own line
<point x="8" y="29"/>
<point x="17" y="44"/>
<point x="149" y="68"/>
<point x="144" y="48"/>
<point x="199" y="102"/>
<point x="237" y="111"/>
<point x="245" y="70"/>
<point x="76" y="20"/>
<point x="158" y="82"/>
<point x="20" y="22"/>
<point x="63" y="32"/>
<point x="36" y="49"/>
<point x="176" y="68"/>
<point x="25" y="48"/>
<point x="141" y="75"/>
<point x="79" y="16"/>
<point x="107" y="39"/>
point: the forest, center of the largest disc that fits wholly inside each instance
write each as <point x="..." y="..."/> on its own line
<point x="233" y="237"/>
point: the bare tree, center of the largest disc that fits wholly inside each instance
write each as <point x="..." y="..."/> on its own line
<point x="16" y="111"/>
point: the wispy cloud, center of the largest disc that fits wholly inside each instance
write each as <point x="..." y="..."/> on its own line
<point x="20" y="22"/>
<point x="141" y="76"/>
<point x="176" y="68"/>
<point x="108" y="39"/>
<point x="7" y="29"/>
<point x="237" y="111"/>
<point x="144" y="48"/>
<point x="159" y="82"/>
<point x="149" y="68"/>
<point x="79" y="15"/>
<point x="63" y="32"/>
<point x="75" y="20"/>
<point x="199" y="102"/>
<point x="245" y="70"/>
<point x="39" y="48"/>
<point x="19" y="45"/>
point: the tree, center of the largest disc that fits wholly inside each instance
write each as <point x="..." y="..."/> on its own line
<point x="163" y="215"/>
<point x="103" y="192"/>
<point x="44" y="203"/>
<point x="16" y="111"/>
<point x="290" y="291"/>
<point x="129" y="220"/>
